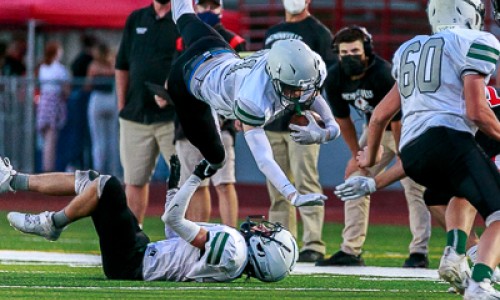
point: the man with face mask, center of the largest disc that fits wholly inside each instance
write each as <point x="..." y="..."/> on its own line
<point x="300" y="162"/>
<point x="146" y="128"/>
<point x="361" y="79"/>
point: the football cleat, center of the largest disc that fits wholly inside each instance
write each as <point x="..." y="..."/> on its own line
<point x="454" y="268"/>
<point x="6" y="173"/>
<point x="204" y="169"/>
<point x="480" y="290"/>
<point x="41" y="224"/>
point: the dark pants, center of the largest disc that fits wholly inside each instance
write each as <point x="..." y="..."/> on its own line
<point x="450" y="162"/>
<point x="194" y="115"/>
<point x="121" y="240"/>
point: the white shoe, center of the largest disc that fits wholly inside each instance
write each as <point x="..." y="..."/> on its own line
<point x="480" y="290"/>
<point x="6" y="173"/>
<point x="40" y="224"/>
<point x="454" y="268"/>
<point x="495" y="278"/>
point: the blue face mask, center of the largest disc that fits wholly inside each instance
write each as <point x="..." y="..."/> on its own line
<point x="209" y="18"/>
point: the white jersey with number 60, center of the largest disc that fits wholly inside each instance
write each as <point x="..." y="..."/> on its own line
<point x="429" y="71"/>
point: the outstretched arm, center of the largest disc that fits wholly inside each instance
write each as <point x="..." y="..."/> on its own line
<point x="263" y="155"/>
<point x="177" y="203"/>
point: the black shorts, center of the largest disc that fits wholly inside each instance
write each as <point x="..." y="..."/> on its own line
<point x="434" y="197"/>
<point x="121" y="240"/>
<point x="451" y="161"/>
<point x="195" y="116"/>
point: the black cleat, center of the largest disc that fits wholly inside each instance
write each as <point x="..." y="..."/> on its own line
<point x="310" y="256"/>
<point x="175" y="172"/>
<point x="342" y="259"/>
<point x="416" y="260"/>
<point x="204" y="169"/>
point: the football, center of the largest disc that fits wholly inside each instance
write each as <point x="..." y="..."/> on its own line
<point x="301" y="120"/>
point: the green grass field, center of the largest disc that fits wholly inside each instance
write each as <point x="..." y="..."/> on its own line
<point x="386" y="246"/>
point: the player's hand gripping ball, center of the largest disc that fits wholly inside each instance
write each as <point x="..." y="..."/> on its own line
<point x="301" y="120"/>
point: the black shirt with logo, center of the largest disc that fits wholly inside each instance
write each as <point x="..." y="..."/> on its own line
<point x="146" y="52"/>
<point x="363" y="94"/>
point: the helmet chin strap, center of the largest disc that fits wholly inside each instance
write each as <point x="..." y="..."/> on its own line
<point x="298" y="110"/>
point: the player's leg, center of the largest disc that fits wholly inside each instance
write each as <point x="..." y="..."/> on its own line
<point x="224" y="181"/>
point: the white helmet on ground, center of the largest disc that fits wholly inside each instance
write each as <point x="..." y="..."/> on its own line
<point x="445" y="14"/>
<point x="294" y="70"/>
<point x="272" y="250"/>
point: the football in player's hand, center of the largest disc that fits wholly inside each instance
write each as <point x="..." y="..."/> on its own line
<point x="301" y="120"/>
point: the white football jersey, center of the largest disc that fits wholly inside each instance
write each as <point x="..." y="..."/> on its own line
<point x="240" y="88"/>
<point x="223" y="259"/>
<point x="429" y="71"/>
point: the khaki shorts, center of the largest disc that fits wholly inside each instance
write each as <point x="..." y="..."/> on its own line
<point x="190" y="156"/>
<point x="140" y="146"/>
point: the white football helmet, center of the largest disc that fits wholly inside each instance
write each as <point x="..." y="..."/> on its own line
<point x="294" y="70"/>
<point x="445" y="14"/>
<point x="272" y="250"/>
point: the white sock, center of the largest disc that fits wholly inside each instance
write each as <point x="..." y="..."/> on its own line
<point x="472" y="254"/>
<point x="180" y="7"/>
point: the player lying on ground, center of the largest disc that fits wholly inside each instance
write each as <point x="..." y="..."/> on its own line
<point x="191" y="251"/>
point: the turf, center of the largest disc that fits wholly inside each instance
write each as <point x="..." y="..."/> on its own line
<point x="385" y="246"/>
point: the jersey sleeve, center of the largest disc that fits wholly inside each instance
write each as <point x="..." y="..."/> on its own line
<point x="482" y="54"/>
<point x="249" y="113"/>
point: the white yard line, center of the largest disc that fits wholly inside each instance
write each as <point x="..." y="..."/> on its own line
<point x="75" y="259"/>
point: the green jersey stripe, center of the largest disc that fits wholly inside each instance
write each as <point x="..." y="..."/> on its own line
<point x="217" y="247"/>
<point x="485" y="48"/>
<point x="248" y="118"/>
<point x="483" y="57"/>
<point x="483" y="52"/>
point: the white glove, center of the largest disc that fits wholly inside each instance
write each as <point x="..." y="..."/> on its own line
<point x="310" y="134"/>
<point x="308" y="199"/>
<point x="355" y="187"/>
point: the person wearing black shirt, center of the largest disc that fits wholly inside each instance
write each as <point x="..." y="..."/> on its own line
<point x="299" y="162"/>
<point x="210" y="11"/>
<point x="361" y="79"/>
<point x="145" y="55"/>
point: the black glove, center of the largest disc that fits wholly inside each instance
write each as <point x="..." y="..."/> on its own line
<point x="204" y="169"/>
<point x="175" y="172"/>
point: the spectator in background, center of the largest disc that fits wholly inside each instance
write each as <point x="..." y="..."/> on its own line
<point x="361" y="79"/>
<point x="74" y="147"/>
<point x="146" y="52"/>
<point x="3" y="53"/>
<point x="210" y="11"/>
<point x="102" y="111"/>
<point x="51" y="111"/>
<point x="299" y="162"/>
<point x="14" y="60"/>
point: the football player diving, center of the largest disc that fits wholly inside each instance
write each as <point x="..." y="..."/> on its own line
<point x="191" y="252"/>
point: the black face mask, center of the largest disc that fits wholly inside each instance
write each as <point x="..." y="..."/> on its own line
<point x="162" y="2"/>
<point x="352" y="65"/>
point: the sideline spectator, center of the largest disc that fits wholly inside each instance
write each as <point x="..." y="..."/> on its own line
<point x="361" y="79"/>
<point x="210" y="11"/>
<point x="146" y="52"/>
<point x="103" y="112"/>
<point x="14" y="60"/>
<point x="51" y="110"/>
<point x="74" y="147"/>
<point x="299" y="162"/>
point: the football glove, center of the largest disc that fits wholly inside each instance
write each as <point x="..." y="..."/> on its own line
<point x="310" y="134"/>
<point x="355" y="187"/>
<point x="308" y="199"/>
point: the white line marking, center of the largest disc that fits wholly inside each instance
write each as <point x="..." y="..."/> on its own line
<point x="75" y="259"/>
